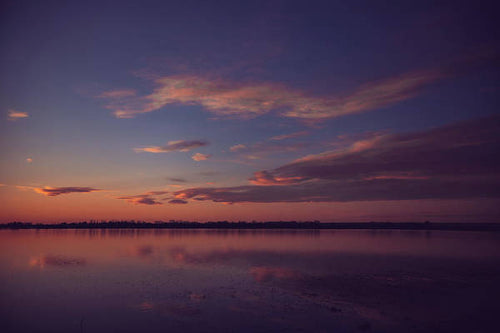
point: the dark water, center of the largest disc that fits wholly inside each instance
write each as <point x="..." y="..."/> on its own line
<point x="249" y="281"/>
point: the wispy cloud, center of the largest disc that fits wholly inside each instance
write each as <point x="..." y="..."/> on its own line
<point x="147" y="198"/>
<point x="259" y="150"/>
<point x="55" y="191"/>
<point x="15" y="115"/>
<point x="118" y="94"/>
<point x="201" y="157"/>
<point x="289" y="136"/>
<point x="237" y="148"/>
<point x="177" y="180"/>
<point x="247" y="100"/>
<point x="141" y="200"/>
<point x="180" y="145"/>
<point x="455" y="161"/>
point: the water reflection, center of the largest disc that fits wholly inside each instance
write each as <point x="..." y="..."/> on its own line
<point x="144" y="251"/>
<point x="57" y="261"/>
<point x="266" y="274"/>
<point x="248" y="280"/>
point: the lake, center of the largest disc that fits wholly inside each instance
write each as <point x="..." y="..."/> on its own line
<point x="157" y="280"/>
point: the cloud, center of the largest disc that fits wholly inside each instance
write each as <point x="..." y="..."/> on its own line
<point x="29" y="160"/>
<point x="201" y="157"/>
<point x="15" y="115"/>
<point x="156" y="192"/>
<point x="118" y="94"/>
<point x="180" y="145"/>
<point x="178" y="202"/>
<point x="454" y="161"/>
<point x="465" y="148"/>
<point x="262" y="149"/>
<point x="266" y="178"/>
<point x="209" y="173"/>
<point x="289" y="136"/>
<point x="237" y="148"/>
<point x="247" y="100"/>
<point x="144" y="199"/>
<point x="140" y="200"/>
<point x="55" y="191"/>
<point x="177" y="180"/>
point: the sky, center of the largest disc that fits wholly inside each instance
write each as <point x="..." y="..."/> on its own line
<point x="249" y="110"/>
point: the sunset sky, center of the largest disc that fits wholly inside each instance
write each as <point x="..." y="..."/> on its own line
<point x="249" y="110"/>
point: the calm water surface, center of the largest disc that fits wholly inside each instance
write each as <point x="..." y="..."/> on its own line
<point x="248" y="281"/>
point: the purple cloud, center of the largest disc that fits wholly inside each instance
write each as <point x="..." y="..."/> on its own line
<point x="289" y="136"/>
<point x="178" y="202"/>
<point x="462" y="149"/>
<point x="455" y="161"/>
<point x="144" y="199"/>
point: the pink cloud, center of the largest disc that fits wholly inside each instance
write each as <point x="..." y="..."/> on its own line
<point x="201" y="157"/>
<point x="247" y="100"/>
<point x="123" y="93"/>
<point x="237" y="147"/>
<point x="265" y="178"/>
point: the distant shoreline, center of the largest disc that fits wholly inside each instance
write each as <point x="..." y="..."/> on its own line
<point x="260" y="225"/>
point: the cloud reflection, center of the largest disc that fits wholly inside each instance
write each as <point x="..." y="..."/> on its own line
<point x="268" y="273"/>
<point x="56" y="261"/>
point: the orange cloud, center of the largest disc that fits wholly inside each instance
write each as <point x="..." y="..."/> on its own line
<point x="249" y="100"/>
<point x="55" y="191"/>
<point x="15" y="115"/>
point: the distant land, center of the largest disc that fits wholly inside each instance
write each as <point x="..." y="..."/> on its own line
<point x="256" y="225"/>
